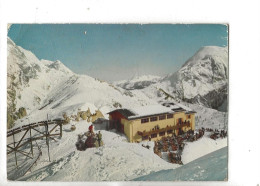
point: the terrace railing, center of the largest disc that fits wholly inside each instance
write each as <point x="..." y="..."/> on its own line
<point x="167" y="128"/>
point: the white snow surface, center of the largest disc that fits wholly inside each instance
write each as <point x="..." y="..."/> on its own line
<point x="117" y="160"/>
<point x="211" y="167"/>
<point x="205" y="145"/>
<point x="150" y="110"/>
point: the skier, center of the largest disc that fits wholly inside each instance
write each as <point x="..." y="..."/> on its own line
<point x="99" y="138"/>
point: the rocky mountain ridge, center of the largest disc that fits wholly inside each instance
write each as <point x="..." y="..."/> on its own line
<point x="50" y="87"/>
<point x="203" y="78"/>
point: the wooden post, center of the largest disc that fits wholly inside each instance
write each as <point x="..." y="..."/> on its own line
<point x="60" y="129"/>
<point x="47" y="139"/>
<point x="15" y="152"/>
<point x="31" y="140"/>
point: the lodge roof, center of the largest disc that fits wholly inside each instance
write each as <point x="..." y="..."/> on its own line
<point x="149" y="110"/>
<point x="153" y="110"/>
<point x="125" y="112"/>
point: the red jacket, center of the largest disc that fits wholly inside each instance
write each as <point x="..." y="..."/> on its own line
<point x="90" y="128"/>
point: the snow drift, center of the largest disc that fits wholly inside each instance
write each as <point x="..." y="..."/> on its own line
<point x="211" y="167"/>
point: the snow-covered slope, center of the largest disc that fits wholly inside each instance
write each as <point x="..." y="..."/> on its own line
<point x="211" y="167"/>
<point x="117" y="160"/>
<point x="42" y="86"/>
<point x="202" y="79"/>
<point x="29" y="80"/>
<point x="81" y="92"/>
<point x="137" y="82"/>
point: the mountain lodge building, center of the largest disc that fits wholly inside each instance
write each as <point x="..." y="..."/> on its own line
<point x="152" y="122"/>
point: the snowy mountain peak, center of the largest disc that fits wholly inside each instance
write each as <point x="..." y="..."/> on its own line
<point x="58" y="65"/>
<point x="202" y="79"/>
<point x="29" y="80"/>
<point x="208" y="52"/>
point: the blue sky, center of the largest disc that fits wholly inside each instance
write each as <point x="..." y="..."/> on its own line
<point x="118" y="51"/>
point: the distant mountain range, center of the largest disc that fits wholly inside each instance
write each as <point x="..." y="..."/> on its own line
<point x="202" y="79"/>
<point x="138" y="82"/>
<point x="49" y="86"/>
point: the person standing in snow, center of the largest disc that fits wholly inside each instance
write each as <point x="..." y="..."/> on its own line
<point x="90" y="128"/>
<point x="99" y="138"/>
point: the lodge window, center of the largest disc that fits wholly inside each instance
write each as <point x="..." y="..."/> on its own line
<point x="169" y="132"/>
<point x="145" y="120"/>
<point x="161" y="133"/>
<point x="179" y="121"/>
<point x="144" y="137"/>
<point x="153" y="119"/>
<point x="169" y="116"/>
<point x="162" y="117"/>
<point x="188" y="116"/>
<point x="154" y="135"/>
